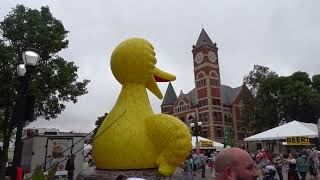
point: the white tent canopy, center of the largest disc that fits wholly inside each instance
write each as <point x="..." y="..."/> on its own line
<point x="216" y="145"/>
<point x="291" y="129"/>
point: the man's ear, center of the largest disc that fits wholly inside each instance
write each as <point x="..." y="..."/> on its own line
<point x="227" y="171"/>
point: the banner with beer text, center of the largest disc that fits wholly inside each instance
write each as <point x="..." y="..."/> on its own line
<point x="298" y="140"/>
<point x="206" y="144"/>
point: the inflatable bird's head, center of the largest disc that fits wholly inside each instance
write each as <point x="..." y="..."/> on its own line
<point x="133" y="61"/>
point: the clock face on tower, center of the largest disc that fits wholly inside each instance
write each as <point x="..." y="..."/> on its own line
<point x="212" y="56"/>
<point x="199" y="57"/>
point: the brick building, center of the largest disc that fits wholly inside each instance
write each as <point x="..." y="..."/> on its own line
<point x="217" y="106"/>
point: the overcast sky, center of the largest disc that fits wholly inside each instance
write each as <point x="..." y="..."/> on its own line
<point x="283" y="35"/>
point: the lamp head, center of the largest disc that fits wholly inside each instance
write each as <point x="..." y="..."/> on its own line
<point x="30" y="57"/>
<point x="21" y="70"/>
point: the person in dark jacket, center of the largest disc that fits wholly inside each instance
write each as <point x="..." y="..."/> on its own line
<point x="70" y="167"/>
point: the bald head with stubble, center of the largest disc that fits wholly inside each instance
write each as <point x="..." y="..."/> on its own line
<point x="235" y="164"/>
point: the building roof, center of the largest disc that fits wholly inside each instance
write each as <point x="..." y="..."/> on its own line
<point x="170" y="97"/>
<point x="228" y="94"/>
<point x="59" y="135"/>
<point x="204" y="39"/>
<point x="50" y="132"/>
<point x="192" y="96"/>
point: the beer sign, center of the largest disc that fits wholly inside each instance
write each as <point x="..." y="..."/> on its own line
<point x="298" y="140"/>
<point x="206" y="144"/>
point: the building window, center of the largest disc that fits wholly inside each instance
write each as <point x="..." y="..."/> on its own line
<point x="214" y="74"/>
<point x="181" y="107"/>
<point x="218" y="131"/>
<point x="203" y="102"/>
<point x="201" y="74"/>
<point x="204" y="132"/>
<point x="201" y="83"/>
<point x="243" y="129"/>
<point x="204" y="117"/>
<point x="214" y="82"/>
<point x="227" y="117"/>
<point x="216" y="102"/>
<point x="217" y="116"/>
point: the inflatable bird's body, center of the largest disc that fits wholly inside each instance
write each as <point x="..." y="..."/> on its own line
<point x="132" y="136"/>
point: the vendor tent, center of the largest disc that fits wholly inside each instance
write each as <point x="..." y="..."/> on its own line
<point x="291" y="129"/>
<point x="202" y="140"/>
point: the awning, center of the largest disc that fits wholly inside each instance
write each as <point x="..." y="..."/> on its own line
<point x="206" y="143"/>
<point x="291" y="129"/>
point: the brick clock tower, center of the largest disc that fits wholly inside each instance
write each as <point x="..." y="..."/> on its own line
<point x="217" y="106"/>
<point x="207" y="83"/>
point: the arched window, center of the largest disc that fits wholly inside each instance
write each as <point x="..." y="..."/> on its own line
<point x="214" y="74"/>
<point x="243" y="129"/>
<point x="214" y="79"/>
<point x="200" y="75"/>
<point x="182" y="106"/>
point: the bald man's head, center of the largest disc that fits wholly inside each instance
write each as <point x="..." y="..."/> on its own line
<point x="226" y="157"/>
<point x="235" y="163"/>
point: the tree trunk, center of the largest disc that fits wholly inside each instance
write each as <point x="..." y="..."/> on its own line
<point x="4" y="156"/>
<point x="7" y="132"/>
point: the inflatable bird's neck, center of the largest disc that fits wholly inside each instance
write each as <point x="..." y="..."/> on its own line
<point x="135" y="97"/>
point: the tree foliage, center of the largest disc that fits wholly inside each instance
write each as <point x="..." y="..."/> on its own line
<point x="98" y="123"/>
<point x="316" y="82"/>
<point x="255" y="77"/>
<point x="284" y="98"/>
<point x="55" y="80"/>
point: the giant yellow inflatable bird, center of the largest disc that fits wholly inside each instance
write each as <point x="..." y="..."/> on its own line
<point x="132" y="136"/>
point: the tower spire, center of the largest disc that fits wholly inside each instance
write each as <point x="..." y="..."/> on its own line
<point x="170" y="96"/>
<point x="204" y="39"/>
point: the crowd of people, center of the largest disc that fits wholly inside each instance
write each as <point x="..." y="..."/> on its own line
<point x="194" y="162"/>
<point x="267" y="166"/>
<point x="296" y="164"/>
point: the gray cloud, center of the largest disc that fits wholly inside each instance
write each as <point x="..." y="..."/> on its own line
<point x="282" y="35"/>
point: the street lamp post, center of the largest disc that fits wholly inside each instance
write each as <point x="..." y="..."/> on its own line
<point x="23" y="103"/>
<point x="196" y="129"/>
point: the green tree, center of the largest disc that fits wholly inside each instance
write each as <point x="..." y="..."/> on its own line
<point x="54" y="80"/>
<point x="302" y="77"/>
<point x="255" y="106"/>
<point x="255" y="77"/>
<point x="284" y="98"/>
<point x="292" y="98"/>
<point x="249" y="110"/>
<point x="316" y="82"/>
<point x="98" y="124"/>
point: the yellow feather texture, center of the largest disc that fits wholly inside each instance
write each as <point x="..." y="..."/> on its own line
<point x="132" y="136"/>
